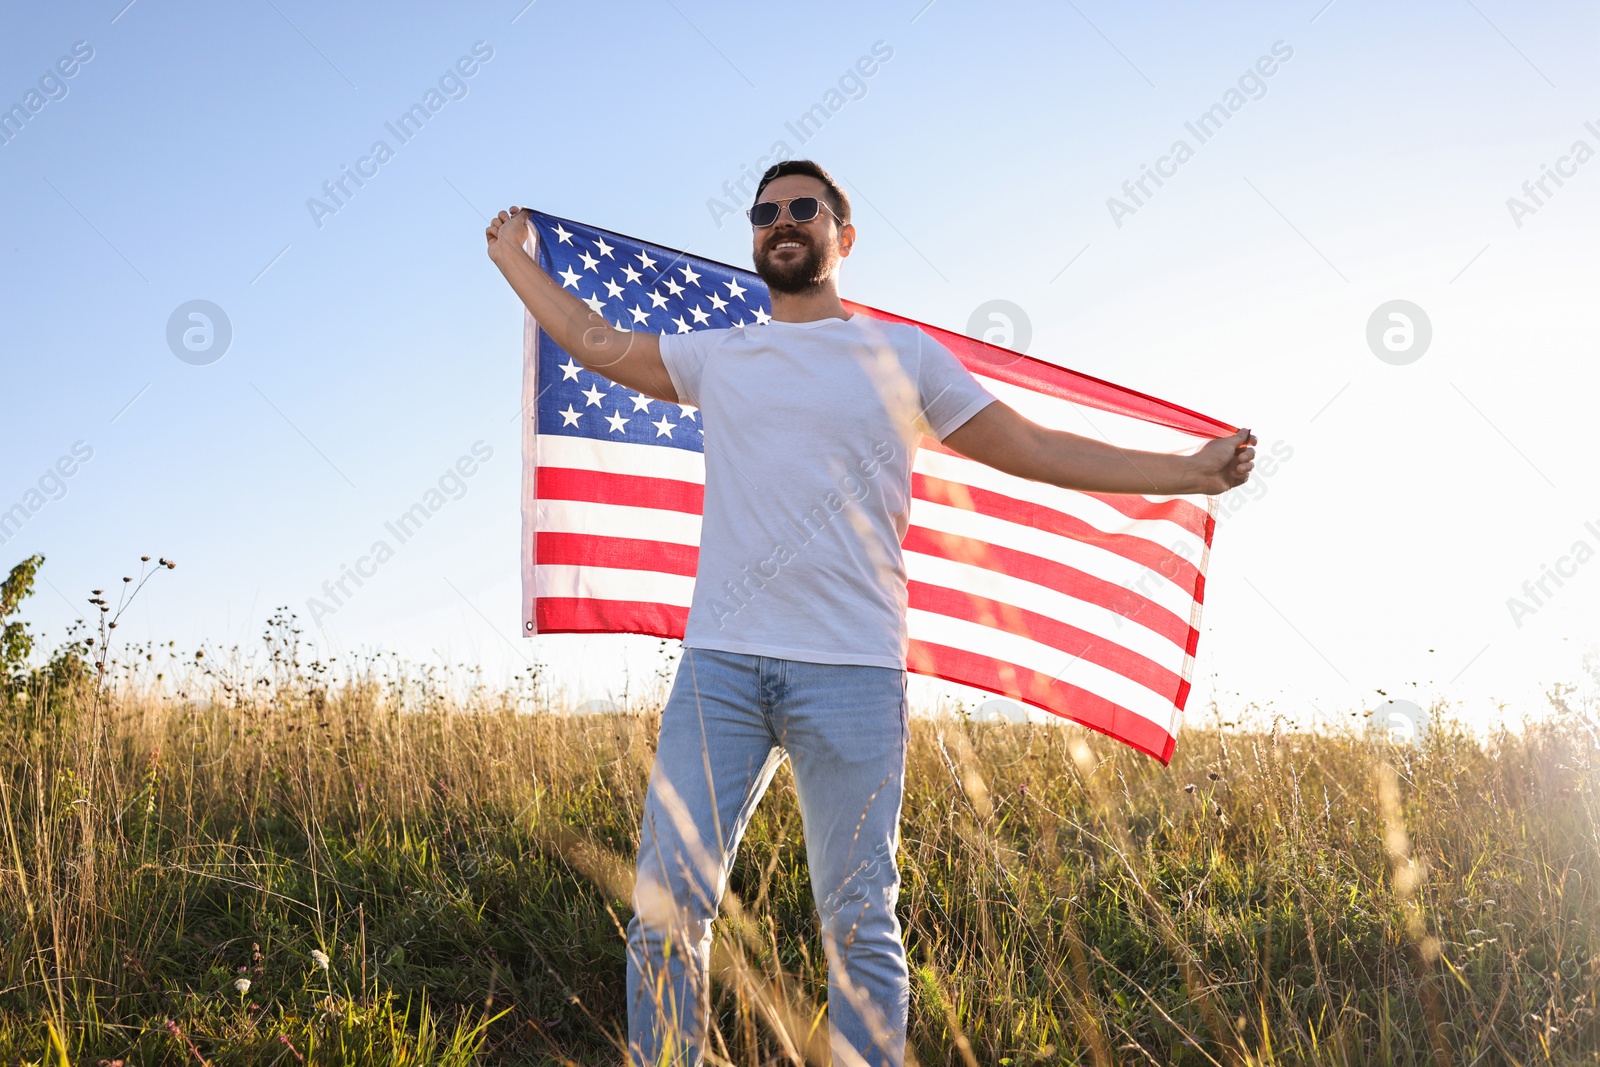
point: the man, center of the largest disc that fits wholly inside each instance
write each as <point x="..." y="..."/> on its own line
<point x="795" y="645"/>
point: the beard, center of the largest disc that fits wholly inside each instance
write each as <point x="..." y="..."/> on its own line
<point x="797" y="275"/>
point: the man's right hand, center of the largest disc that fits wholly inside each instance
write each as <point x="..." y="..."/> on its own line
<point x="506" y="232"/>
<point x="632" y="360"/>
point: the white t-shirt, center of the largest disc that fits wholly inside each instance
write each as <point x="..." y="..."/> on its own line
<point x="810" y="430"/>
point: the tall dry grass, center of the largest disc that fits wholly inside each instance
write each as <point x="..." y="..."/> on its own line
<point x="464" y="866"/>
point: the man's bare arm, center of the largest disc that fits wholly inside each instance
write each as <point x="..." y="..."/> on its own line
<point x="1003" y="439"/>
<point x="632" y="360"/>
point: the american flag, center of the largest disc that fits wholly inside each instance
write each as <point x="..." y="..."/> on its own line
<point x="1084" y="604"/>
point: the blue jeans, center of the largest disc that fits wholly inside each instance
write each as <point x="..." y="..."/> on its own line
<point x="730" y="722"/>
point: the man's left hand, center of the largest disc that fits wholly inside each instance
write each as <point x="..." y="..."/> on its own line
<point x="1224" y="463"/>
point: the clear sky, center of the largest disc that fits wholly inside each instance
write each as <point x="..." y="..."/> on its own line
<point x="373" y="343"/>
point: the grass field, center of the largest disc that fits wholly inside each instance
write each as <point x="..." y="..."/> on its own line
<point x="248" y="862"/>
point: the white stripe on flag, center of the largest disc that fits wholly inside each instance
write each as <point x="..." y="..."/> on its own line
<point x="1121" y="430"/>
<point x="617" y="520"/>
<point x="612" y="583"/>
<point x="620" y="457"/>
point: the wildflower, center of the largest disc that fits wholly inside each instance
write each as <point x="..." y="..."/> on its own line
<point x="242" y="985"/>
<point x="320" y="958"/>
<point x="1476" y="933"/>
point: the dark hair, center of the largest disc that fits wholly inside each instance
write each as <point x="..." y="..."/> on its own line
<point x="836" y="195"/>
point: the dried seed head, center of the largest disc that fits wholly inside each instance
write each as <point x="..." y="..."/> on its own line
<point x="127" y="579"/>
<point x="144" y="559"/>
<point x="1189" y="788"/>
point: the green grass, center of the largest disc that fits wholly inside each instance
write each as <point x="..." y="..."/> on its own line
<point x="1278" y="897"/>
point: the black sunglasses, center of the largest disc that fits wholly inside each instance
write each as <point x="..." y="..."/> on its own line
<point x="801" y="209"/>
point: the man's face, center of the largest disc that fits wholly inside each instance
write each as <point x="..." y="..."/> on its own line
<point x="793" y="257"/>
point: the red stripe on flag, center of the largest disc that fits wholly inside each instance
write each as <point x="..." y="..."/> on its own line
<point x="1073" y="642"/>
<point x="987" y="502"/>
<point x="582" y="615"/>
<point x="1031" y="687"/>
<point x="598" y="487"/>
<point x="623" y="553"/>
<point x="1052" y="575"/>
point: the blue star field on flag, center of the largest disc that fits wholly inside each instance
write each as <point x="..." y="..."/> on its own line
<point x="641" y="287"/>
